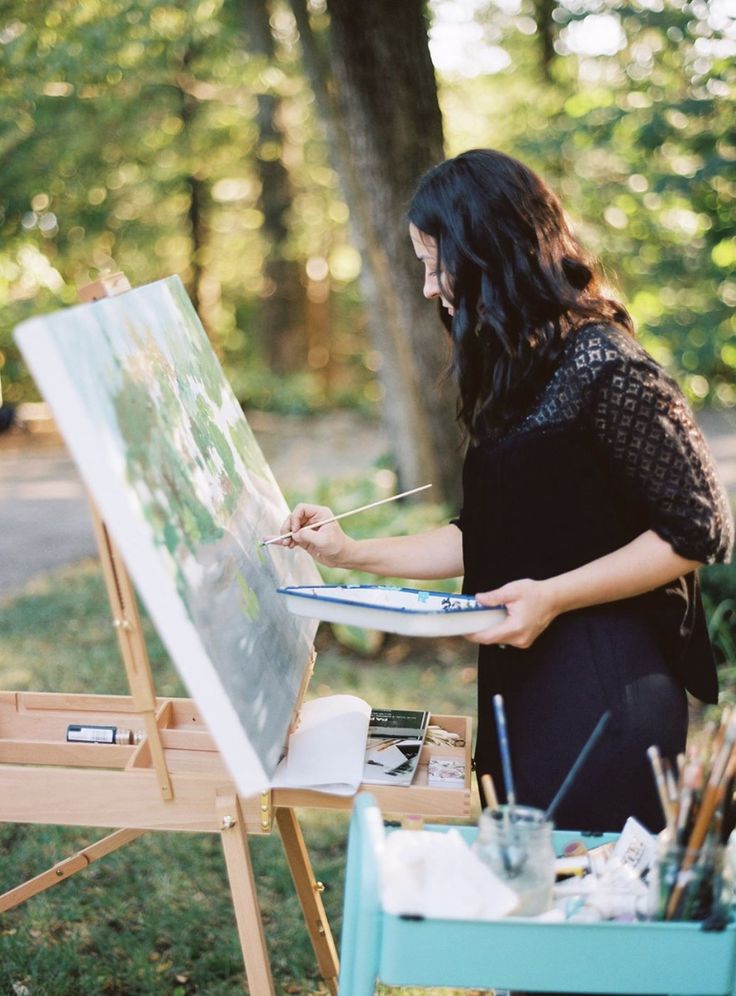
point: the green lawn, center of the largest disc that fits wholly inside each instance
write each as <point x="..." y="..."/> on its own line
<point x="156" y="916"/>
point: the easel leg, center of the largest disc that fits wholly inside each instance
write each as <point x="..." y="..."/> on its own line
<point x="308" y="892"/>
<point x="66" y="868"/>
<point x="245" y="900"/>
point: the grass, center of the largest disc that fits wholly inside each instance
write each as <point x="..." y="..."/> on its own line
<point x="156" y="916"/>
<point x="719" y="594"/>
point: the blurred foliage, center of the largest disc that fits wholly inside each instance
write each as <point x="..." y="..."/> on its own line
<point x="719" y="595"/>
<point x="635" y="127"/>
<point x="632" y="119"/>
<point x="98" y="161"/>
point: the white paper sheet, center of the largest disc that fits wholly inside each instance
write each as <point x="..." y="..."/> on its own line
<point x="437" y="875"/>
<point x="326" y="751"/>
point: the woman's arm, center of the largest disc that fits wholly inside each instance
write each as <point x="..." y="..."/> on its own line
<point x="431" y="555"/>
<point x="642" y="565"/>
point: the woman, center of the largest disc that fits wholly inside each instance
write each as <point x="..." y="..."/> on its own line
<point x="590" y="500"/>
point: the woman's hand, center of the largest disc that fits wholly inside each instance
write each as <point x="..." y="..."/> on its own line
<point x="327" y="544"/>
<point x="530" y="608"/>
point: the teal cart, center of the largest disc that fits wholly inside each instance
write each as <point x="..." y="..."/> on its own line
<point x="677" y="958"/>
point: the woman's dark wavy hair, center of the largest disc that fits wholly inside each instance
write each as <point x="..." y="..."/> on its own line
<point x="518" y="279"/>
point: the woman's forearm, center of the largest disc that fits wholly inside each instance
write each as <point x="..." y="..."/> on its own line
<point x="432" y="555"/>
<point x="645" y="563"/>
<point x="642" y="565"/>
<point x="437" y="553"/>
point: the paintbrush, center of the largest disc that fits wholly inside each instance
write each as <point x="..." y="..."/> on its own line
<point x="659" y="779"/>
<point x="489" y="791"/>
<point x="513" y="852"/>
<point x="671" y="782"/>
<point x="579" y="762"/>
<point x="683" y="816"/>
<point x="503" y="743"/>
<point x="344" y="515"/>
<point x="724" y="767"/>
<point x="717" y="741"/>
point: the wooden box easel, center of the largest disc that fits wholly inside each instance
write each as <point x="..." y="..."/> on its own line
<point x="174" y="778"/>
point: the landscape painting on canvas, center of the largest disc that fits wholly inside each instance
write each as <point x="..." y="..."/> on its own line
<point x="167" y="454"/>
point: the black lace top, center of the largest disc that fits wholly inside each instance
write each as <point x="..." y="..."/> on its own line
<point x="640" y="420"/>
<point x="608" y="451"/>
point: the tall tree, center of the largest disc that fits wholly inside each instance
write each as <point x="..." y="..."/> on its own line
<point x="282" y="313"/>
<point x="195" y="187"/>
<point x="543" y="15"/>
<point x="386" y="125"/>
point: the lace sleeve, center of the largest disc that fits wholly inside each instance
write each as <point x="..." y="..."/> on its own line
<point x="649" y="436"/>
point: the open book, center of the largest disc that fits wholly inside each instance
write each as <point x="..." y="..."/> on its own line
<point x="337" y="737"/>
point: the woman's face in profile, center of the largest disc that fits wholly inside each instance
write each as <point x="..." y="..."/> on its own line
<point x="426" y="249"/>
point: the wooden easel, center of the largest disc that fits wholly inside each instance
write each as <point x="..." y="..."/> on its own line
<point x="166" y="790"/>
<point x="174" y="778"/>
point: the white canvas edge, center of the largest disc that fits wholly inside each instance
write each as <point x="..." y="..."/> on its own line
<point x="152" y="581"/>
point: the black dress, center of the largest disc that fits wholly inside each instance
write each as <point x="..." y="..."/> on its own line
<point x="609" y="451"/>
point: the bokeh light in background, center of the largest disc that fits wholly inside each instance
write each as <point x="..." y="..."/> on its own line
<point x="132" y="139"/>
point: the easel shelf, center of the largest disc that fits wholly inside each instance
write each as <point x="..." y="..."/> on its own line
<point x="33" y="727"/>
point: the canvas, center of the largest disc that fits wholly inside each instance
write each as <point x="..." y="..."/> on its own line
<point x="166" y="452"/>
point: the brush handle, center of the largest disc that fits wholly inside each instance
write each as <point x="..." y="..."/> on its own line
<point x="344" y="515"/>
<point x="489" y="791"/>
<point x="503" y="742"/>
<point x="579" y="762"/>
<point x="656" y="762"/>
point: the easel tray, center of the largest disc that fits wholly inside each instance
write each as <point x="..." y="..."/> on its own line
<point x="33" y="728"/>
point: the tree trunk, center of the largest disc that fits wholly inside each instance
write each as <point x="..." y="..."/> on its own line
<point x="386" y="128"/>
<point x="197" y="190"/>
<point x="543" y="11"/>
<point x="281" y="320"/>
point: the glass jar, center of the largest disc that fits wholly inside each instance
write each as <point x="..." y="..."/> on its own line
<point x="517" y="846"/>
<point x="688" y="884"/>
